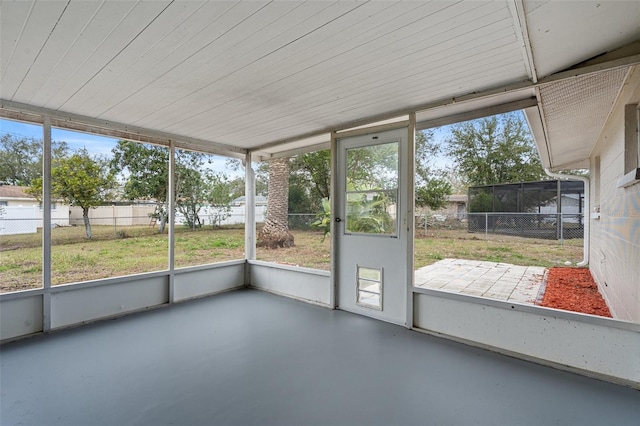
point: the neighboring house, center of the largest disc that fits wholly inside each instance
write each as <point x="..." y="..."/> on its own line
<point x="571" y="205"/>
<point x="456" y="208"/>
<point x="261" y="201"/>
<point x="237" y="209"/>
<point x="21" y="213"/>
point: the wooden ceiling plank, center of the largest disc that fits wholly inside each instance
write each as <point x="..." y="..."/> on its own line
<point x="351" y="88"/>
<point x="33" y="35"/>
<point x="55" y="52"/>
<point x="322" y="112"/>
<point x="194" y="92"/>
<point x="348" y="83"/>
<point x="112" y="31"/>
<point x="13" y="20"/>
<point x="83" y="41"/>
<point x="182" y="78"/>
<point x="334" y="72"/>
<point x="169" y="35"/>
<point x="244" y="82"/>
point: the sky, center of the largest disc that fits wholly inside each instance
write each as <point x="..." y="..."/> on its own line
<point x="96" y="145"/>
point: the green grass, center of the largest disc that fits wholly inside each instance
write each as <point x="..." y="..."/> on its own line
<point x="75" y="259"/>
<point x="442" y="243"/>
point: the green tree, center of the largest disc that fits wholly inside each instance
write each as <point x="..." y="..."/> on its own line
<point x="79" y="180"/>
<point x="146" y="171"/>
<point x="492" y="150"/>
<point x="219" y="196"/>
<point x="191" y="194"/>
<point x="431" y="185"/>
<point x="236" y="187"/>
<point x="21" y="159"/>
<point x="313" y="171"/>
<point x="191" y="186"/>
<point x="309" y="184"/>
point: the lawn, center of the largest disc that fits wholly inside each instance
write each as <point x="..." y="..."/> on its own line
<point x="136" y="249"/>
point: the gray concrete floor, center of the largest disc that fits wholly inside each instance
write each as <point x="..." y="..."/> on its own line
<point x="249" y="357"/>
<point x="500" y="281"/>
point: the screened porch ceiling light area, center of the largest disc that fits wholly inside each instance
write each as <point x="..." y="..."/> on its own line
<point x="251" y="75"/>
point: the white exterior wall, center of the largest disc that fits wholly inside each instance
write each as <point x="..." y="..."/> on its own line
<point x="236" y="215"/>
<point x="614" y="255"/>
<point x="26" y="219"/>
<point x="104" y="215"/>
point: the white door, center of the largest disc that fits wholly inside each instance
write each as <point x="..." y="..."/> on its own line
<point x="371" y="231"/>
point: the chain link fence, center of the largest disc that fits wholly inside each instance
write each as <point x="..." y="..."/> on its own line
<point x="302" y="221"/>
<point x="542" y="226"/>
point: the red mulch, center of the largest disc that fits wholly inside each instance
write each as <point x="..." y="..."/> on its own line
<point x="573" y="289"/>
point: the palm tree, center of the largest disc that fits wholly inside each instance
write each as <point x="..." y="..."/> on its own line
<point x="275" y="232"/>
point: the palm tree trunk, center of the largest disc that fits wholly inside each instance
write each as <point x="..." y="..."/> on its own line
<point x="275" y="232"/>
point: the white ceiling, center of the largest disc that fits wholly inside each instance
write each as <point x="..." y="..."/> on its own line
<point x="252" y="74"/>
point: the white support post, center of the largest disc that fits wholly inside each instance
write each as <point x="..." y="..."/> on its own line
<point x="333" y="289"/>
<point x="46" y="223"/>
<point x="249" y="217"/>
<point x="250" y="210"/>
<point x="171" y="209"/>
<point x="410" y="218"/>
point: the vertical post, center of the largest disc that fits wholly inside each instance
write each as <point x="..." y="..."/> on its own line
<point x="559" y="210"/>
<point x="410" y="217"/>
<point x="46" y="223"/>
<point x="486" y="226"/>
<point x="171" y="207"/>
<point x="249" y="210"/>
<point x="333" y="287"/>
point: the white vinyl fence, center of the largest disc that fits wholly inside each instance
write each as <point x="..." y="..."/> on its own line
<point x="27" y="219"/>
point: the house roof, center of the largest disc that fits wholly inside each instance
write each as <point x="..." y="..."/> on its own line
<point x="9" y="191"/>
<point x="276" y="77"/>
<point x="458" y="198"/>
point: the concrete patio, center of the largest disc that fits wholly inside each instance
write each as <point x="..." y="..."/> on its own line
<point x="501" y="281"/>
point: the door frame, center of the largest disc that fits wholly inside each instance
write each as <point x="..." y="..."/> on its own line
<point x="408" y="215"/>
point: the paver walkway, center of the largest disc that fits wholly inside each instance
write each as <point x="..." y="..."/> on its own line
<point x="493" y="280"/>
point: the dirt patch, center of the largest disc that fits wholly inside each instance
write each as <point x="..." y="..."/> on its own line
<point x="573" y="289"/>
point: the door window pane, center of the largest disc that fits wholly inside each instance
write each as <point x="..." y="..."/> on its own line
<point x="372" y="189"/>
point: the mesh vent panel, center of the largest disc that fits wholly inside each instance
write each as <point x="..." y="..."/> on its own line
<point x="575" y="111"/>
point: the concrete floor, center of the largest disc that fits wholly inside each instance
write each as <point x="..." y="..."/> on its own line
<point x="501" y="281"/>
<point x="249" y="357"/>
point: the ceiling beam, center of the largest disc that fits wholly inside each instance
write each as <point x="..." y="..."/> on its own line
<point x="477" y="113"/>
<point x="518" y="14"/>
<point x="32" y="114"/>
